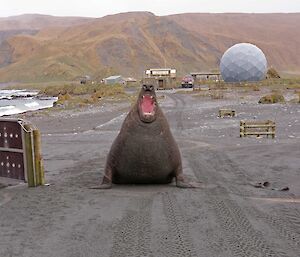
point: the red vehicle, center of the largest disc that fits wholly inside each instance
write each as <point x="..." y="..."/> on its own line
<point x="187" y="81"/>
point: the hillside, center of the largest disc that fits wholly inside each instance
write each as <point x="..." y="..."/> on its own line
<point x="30" y="24"/>
<point x="278" y="35"/>
<point x="129" y="43"/>
<point x="38" y="21"/>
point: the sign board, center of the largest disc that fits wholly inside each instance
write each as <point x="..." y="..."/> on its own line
<point x="12" y="153"/>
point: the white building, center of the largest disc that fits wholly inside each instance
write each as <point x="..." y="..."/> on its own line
<point x="163" y="78"/>
<point x="117" y="79"/>
<point x="162" y="72"/>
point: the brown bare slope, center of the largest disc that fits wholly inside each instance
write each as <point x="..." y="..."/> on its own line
<point x="30" y="24"/>
<point x="38" y="21"/>
<point x="278" y="35"/>
<point x="131" y="42"/>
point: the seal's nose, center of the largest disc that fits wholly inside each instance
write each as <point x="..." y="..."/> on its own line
<point x="148" y="87"/>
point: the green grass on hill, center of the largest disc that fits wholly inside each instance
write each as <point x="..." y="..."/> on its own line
<point x="72" y="94"/>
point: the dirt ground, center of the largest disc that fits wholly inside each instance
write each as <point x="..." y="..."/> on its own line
<point x="226" y="217"/>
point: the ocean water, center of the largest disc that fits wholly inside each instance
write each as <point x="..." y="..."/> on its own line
<point x="19" y="101"/>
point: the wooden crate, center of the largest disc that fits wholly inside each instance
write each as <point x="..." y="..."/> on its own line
<point x="226" y="113"/>
<point x="257" y="128"/>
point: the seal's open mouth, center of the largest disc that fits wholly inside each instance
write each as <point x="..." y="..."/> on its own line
<point x="148" y="105"/>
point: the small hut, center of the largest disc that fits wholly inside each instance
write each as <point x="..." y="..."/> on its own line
<point x="206" y="76"/>
<point x="162" y="78"/>
<point x="116" y="79"/>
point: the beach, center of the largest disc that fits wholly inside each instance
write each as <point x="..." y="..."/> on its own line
<point x="229" y="215"/>
<point x="22" y="100"/>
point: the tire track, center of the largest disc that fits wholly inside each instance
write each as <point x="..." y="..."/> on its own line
<point x="238" y="232"/>
<point x="6" y="198"/>
<point x="243" y="239"/>
<point x="292" y="216"/>
<point x="287" y="228"/>
<point x="179" y="104"/>
<point x="132" y="235"/>
<point x="230" y="168"/>
<point x="283" y="228"/>
<point x="177" y="240"/>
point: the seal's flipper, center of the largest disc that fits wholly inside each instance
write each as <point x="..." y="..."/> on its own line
<point x="182" y="183"/>
<point x="107" y="179"/>
<point x="102" y="186"/>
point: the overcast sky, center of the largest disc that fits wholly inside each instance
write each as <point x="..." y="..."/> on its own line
<point x="99" y="8"/>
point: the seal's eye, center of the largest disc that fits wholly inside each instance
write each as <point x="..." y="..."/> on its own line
<point x="148" y="87"/>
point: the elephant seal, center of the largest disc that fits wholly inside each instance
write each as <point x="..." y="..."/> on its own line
<point x="144" y="152"/>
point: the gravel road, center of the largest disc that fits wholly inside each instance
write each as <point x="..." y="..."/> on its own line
<point x="226" y="217"/>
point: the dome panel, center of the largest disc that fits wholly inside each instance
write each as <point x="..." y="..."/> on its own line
<point x="243" y="62"/>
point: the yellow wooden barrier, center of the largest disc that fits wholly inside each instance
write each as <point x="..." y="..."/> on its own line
<point x="257" y="128"/>
<point x="29" y="156"/>
<point x="226" y="112"/>
<point x="40" y="178"/>
<point x="34" y="161"/>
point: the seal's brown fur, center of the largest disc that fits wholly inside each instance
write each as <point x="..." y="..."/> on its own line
<point x="144" y="151"/>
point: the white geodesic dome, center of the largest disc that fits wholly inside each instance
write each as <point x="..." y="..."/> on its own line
<point x="243" y="62"/>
